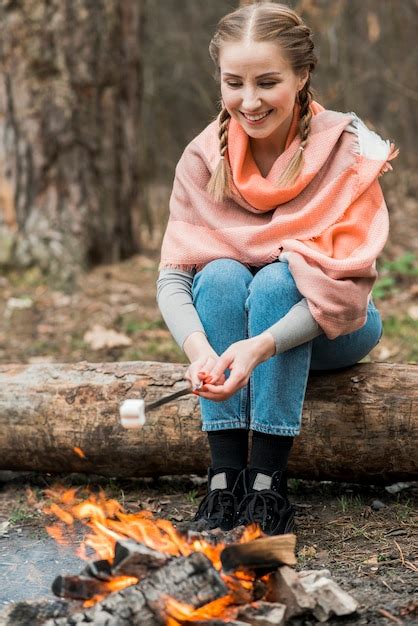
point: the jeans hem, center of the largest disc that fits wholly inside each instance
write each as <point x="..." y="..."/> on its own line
<point x="275" y="430"/>
<point x="224" y="425"/>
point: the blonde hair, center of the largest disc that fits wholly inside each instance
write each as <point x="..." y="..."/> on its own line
<point x="265" y="21"/>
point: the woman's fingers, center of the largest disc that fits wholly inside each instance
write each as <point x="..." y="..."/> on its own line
<point x="222" y="364"/>
<point x="225" y="391"/>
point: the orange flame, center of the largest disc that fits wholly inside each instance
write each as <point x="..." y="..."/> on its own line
<point x="177" y="612"/>
<point x="79" y="452"/>
<point x="120" y="583"/>
<point x="108" y="523"/>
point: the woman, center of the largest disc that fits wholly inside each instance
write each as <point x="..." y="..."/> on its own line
<point x="268" y="260"/>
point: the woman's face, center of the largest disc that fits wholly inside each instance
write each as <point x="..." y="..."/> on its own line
<point x="257" y="79"/>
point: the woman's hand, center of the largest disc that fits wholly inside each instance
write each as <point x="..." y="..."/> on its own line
<point x="240" y="358"/>
<point x="199" y="370"/>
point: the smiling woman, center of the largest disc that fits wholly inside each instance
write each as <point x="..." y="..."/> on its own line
<point x="264" y="108"/>
<point x="269" y="257"/>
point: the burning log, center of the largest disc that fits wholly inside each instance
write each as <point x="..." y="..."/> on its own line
<point x="135" y="559"/>
<point x="56" y="418"/>
<point x="188" y="590"/>
<point x="266" y="554"/>
<point x="190" y="579"/>
<point x="77" y="587"/>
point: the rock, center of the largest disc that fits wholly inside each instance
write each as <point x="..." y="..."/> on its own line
<point x="263" y="614"/>
<point x="286" y="588"/>
<point x="317" y="572"/>
<point x="397" y="487"/>
<point x="329" y="598"/>
<point x="377" y="505"/>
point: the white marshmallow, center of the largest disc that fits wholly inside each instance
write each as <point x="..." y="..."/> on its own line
<point x="132" y="413"/>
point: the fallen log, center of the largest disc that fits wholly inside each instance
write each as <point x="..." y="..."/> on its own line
<point x="359" y="424"/>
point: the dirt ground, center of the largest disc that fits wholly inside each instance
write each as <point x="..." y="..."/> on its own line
<point x="366" y="536"/>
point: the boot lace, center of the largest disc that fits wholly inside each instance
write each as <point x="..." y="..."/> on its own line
<point x="262" y="507"/>
<point x="218" y="507"/>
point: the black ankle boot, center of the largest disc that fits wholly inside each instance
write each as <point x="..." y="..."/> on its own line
<point x="218" y="508"/>
<point x="265" y="503"/>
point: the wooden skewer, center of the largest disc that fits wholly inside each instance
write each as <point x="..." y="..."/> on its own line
<point x="170" y="397"/>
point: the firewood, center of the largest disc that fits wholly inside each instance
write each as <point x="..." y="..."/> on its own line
<point x="33" y="613"/>
<point x="99" y="569"/>
<point x="49" y="412"/>
<point x="76" y="587"/>
<point x="136" y="559"/>
<point x="266" y="553"/>
<point x="191" y="579"/>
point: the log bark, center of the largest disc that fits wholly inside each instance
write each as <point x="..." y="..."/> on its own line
<point x="359" y="424"/>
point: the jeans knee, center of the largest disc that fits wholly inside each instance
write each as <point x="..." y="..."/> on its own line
<point x="275" y="281"/>
<point x="222" y="276"/>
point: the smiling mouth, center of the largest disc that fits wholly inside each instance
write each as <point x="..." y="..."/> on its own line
<point x="256" y="118"/>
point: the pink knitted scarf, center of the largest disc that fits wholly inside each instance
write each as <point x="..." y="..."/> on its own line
<point x="330" y="225"/>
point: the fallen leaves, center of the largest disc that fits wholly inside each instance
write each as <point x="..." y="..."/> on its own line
<point x="307" y="552"/>
<point x="100" y="337"/>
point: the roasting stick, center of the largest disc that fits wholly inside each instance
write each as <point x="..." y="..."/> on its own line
<point x="132" y="412"/>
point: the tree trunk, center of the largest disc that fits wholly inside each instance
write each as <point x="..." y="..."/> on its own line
<point x="70" y="94"/>
<point x="360" y="424"/>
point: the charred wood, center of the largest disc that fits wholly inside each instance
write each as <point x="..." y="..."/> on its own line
<point x="33" y="613"/>
<point x="191" y="579"/>
<point x="77" y="587"/>
<point x="136" y="559"/>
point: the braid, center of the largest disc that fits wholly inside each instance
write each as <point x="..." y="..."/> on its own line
<point x="294" y="168"/>
<point x="305" y="99"/>
<point x="223" y="130"/>
<point x="220" y="183"/>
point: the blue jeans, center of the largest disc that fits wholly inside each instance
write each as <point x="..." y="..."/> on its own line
<point x="235" y="302"/>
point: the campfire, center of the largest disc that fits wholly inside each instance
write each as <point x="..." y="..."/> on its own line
<point x="142" y="570"/>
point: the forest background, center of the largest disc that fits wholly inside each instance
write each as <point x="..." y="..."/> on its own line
<point x="97" y="101"/>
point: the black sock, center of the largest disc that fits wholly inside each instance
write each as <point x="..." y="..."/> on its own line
<point x="229" y="452"/>
<point x="269" y="453"/>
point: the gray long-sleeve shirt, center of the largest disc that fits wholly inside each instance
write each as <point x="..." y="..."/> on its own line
<point x="175" y="301"/>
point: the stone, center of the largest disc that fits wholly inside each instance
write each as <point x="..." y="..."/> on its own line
<point x="329" y="598"/>
<point x="377" y="505"/>
<point x="263" y="614"/>
<point x="285" y="587"/>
